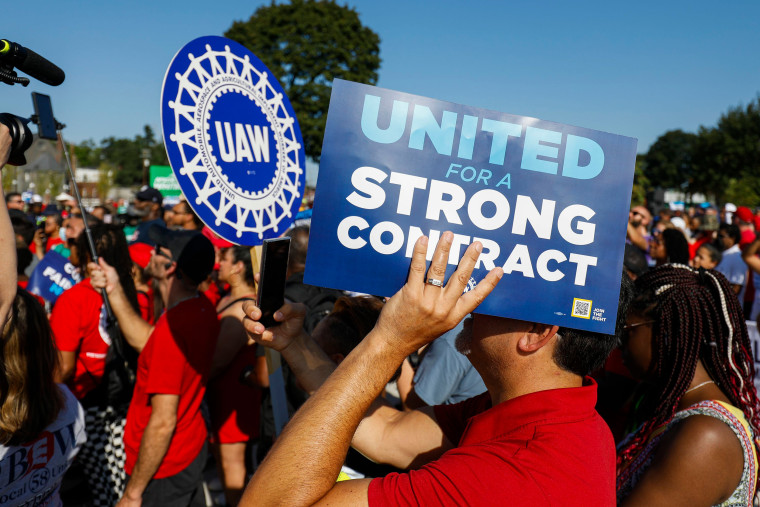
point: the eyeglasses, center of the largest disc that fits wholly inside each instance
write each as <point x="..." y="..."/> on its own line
<point x="158" y="251"/>
<point x="625" y="335"/>
<point x="628" y="327"/>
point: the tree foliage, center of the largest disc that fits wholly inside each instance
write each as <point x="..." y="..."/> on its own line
<point x="306" y="44"/>
<point x="640" y="183"/>
<point x="668" y="162"/>
<point x="717" y="161"/>
<point x="125" y="155"/>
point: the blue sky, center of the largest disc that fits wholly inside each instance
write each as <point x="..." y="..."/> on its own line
<point x="631" y="68"/>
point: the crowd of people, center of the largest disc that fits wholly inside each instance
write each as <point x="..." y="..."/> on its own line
<point x="150" y="374"/>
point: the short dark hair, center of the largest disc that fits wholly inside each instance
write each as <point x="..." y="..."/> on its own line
<point x="24" y="257"/>
<point x="24" y="228"/>
<point x="635" y="260"/>
<point x="243" y="254"/>
<point x="733" y="232"/>
<point x="299" y="243"/>
<point x="582" y="352"/>
<point x="350" y="321"/>
<point x="713" y="252"/>
<point x="57" y="218"/>
<point x="11" y="195"/>
<point x="186" y="208"/>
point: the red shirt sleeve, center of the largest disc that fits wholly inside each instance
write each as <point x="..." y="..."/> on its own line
<point x="165" y="377"/>
<point x="65" y="323"/>
<point x="453" y="418"/>
<point x="459" y="477"/>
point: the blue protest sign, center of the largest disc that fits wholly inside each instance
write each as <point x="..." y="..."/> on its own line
<point x="233" y="140"/>
<point x="549" y="202"/>
<point x="53" y="275"/>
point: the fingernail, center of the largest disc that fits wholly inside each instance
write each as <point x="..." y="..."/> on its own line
<point x="423" y="240"/>
<point x="277" y="315"/>
<point x="448" y="236"/>
<point x="499" y="273"/>
<point x="478" y="246"/>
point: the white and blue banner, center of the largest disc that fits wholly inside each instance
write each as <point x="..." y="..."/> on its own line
<point x="549" y="202"/>
<point x="233" y="140"/>
<point x="53" y="275"/>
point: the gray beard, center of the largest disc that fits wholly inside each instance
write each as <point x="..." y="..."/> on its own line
<point x="463" y="341"/>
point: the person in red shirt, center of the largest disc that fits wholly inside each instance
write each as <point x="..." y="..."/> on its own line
<point x="79" y="327"/>
<point x="140" y="253"/>
<point x="533" y="438"/>
<point x="165" y="436"/>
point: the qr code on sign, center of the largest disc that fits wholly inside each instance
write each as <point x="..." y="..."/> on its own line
<point x="581" y="308"/>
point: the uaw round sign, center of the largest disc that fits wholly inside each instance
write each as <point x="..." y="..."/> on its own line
<point x="233" y="140"/>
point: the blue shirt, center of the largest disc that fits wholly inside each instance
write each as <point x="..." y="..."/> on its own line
<point x="445" y="376"/>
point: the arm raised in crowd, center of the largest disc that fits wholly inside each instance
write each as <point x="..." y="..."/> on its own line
<point x="8" y="275"/>
<point x="306" y="359"/>
<point x="403" y="439"/>
<point x="750" y="255"/>
<point x="304" y="463"/>
<point x="636" y="237"/>
<point x="135" y="330"/>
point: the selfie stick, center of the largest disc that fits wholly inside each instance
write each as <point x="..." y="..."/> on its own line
<point x="88" y="233"/>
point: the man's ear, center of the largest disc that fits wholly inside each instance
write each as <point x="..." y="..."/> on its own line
<point x="171" y="268"/>
<point x="537" y="337"/>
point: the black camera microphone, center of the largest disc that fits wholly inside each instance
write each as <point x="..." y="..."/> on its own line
<point x="31" y="63"/>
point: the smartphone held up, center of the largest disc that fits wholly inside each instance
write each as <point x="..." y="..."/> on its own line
<point x="274" y="267"/>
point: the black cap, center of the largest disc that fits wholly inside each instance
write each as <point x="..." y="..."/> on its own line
<point x="50" y="210"/>
<point x="191" y="250"/>
<point x="147" y="193"/>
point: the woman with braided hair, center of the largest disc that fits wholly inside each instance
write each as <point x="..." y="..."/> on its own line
<point x="697" y="415"/>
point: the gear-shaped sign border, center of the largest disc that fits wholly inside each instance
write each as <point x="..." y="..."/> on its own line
<point x="201" y="72"/>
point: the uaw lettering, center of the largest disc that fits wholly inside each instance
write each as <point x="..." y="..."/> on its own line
<point x="35" y="468"/>
<point x="547" y="201"/>
<point x="233" y="140"/>
<point x="53" y="275"/>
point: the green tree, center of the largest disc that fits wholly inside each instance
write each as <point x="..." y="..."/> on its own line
<point x="641" y="184"/>
<point x="668" y="163"/>
<point x="306" y="44"/>
<point x="722" y="162"/>
<point x="87" y="154"/>
<point x="124" y="156"/>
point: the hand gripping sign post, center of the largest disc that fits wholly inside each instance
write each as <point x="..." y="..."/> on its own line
<point x="549" y="202"/>
<point x="235" y="147"/>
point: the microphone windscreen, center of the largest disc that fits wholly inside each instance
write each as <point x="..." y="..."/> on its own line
<point x="40" y="68"/>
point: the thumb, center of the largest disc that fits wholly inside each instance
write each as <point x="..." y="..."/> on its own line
<point x="103" y="264"/>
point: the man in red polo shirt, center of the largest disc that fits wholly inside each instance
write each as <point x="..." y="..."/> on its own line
<point x="533" y="439"/>
<point x="165" y="435"/>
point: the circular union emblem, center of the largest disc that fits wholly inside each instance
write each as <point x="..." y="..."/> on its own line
<point x="233" y="140"/>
